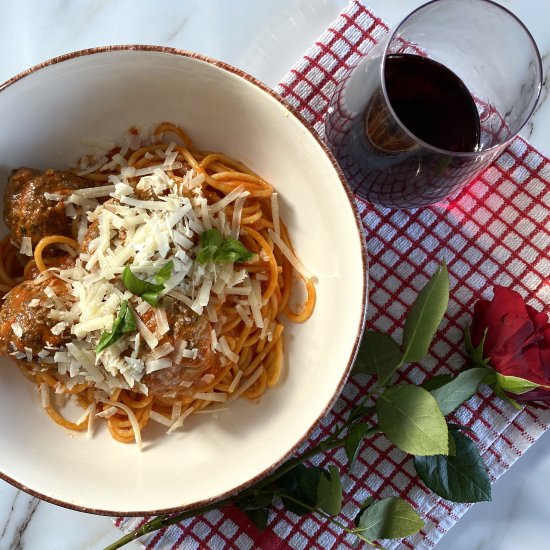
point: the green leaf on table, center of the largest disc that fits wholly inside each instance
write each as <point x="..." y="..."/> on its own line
<point x="256" y="501"/>
<point x="329" y="491"/>
<point x="354" y="437"/>
<point x="499" y="392"/>
<point x="368" y="501"/>
<point x="389" y="518"/>
<point x="452" y="445"/>
<point x="359" y="411"/>
<point x="458" y="478"/>
<point x="300" y="483"/>
<point x="258" y="517"/>
<point x="256" y="507"/>
<point x="455" y="427"/>
<point x="437" y="381"/>
<point x="378" y="354"/>
<point x="450" y="396"/>
<point x="411" y="419"/>
<point x="425" y="316"/>
<point x="516" y="385"/>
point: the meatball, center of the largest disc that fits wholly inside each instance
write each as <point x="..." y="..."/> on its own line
<point x="62" y="261"/>
<point x="25" y="325"/>
<point x="28" y="213"/>
<point x="195" y="329"/>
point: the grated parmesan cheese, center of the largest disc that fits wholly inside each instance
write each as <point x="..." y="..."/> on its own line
<point x="17" y="329"/>
<point x="26" y="246"/>
<point x="290" y="256"/>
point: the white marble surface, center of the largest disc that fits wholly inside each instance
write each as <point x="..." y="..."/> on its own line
<point x="262" y="37"/>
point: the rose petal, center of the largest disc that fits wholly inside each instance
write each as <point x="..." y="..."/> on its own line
<point x="517" y="339"/>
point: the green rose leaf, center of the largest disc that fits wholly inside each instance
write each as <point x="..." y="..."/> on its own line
<point x="516" y="385"/>
<point x="460" y="389"/>
<point x="437" y="381"/>
<point x="256" y="501"/>
<point x="378" y="354"/>
<point x="256" y="507"/>
<point x="258" y="517"/>
<point x="389" y="518"/>
<point x="329" y="491"/>
<point x="452" y="445"/>
<point x="425" y="316"/>
<point x="505" y="397"/>
<point x="458" y="478"/>
<point x="411" y="419"/>
<point x="300" y="483"/>
<point x="359" y="411"/>
<point x="366" y="503"/>
<point x="353" y="440"/>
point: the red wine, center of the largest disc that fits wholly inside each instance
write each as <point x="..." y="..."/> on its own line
<point x="432" y="102"/>
<point x="387" y="165"/>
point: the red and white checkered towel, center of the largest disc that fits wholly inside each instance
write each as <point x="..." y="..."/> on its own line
<point x="496" y="231"/>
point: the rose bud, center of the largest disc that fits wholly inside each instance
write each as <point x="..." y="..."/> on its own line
<point x="517" y="340"/>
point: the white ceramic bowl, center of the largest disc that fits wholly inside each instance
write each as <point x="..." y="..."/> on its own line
<point x="101" y="92"/>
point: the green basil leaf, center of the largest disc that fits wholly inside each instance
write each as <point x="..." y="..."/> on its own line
<point x="437" y="381"/>
<point x="151" y="298"/>
<point x="389" y="518"/>
<point x="329" y="491"/>
<point x="230" y="251"/>
<point x="210" y="240"/>
<point x="450" y="396"/>
<point x="458" y="478"/>
<point x="146" y="290"/>
<point x="425" y="316"/>
<point x="354" y="437"/>
<point x="123" y="323"/>
<point x="164" y="273"/>
<point x="211" y="237"/>
<point x="378" y="354"/>
<point x="213" y="247"/>
<point x="411" y="419"/>
<point x="205" y="254"/>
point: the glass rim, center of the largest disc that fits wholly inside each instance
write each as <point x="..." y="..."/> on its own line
<point x="463" y="154"/>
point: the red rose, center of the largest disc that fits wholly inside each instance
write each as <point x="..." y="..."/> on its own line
<point x="517" y="341"/>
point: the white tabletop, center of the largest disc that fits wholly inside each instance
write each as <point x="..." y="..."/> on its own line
<point x="264" y="38"/>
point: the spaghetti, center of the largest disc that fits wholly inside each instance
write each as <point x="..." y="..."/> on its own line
<point x="209" y="333"/>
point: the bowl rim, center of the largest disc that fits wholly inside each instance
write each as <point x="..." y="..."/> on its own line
<point x="364" y="259"/>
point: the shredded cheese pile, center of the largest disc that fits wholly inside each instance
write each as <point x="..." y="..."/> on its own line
<point x="128" y="229"/>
